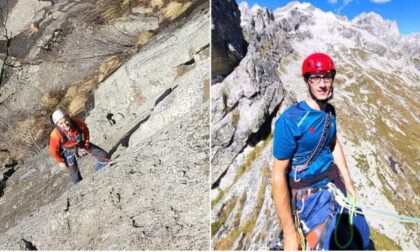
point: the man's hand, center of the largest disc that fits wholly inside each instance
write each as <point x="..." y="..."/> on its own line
<point x="62" y="165"/>
<point x="87" y="145"/>
<point x="58" y="168"/>
<point x="352" y="192"/>
<point x="291" y="240"/>
<point x="83" y="152"/>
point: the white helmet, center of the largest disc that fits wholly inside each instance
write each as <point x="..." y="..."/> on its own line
<point x="57" y="115"/>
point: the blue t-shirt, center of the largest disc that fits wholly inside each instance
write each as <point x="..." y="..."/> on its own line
<point x="296" y="135"/>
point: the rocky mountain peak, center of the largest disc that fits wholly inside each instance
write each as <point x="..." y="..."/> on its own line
<point x="255" y="8"/>
<point x="257" y="17"/>
<point x="375" y="24"/>
<point x="413" y="38"/>
<point x="297" y="5"/>
<point x="410" y="45"/>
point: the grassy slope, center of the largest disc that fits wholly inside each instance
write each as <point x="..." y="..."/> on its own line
<point x="395" y="103"/>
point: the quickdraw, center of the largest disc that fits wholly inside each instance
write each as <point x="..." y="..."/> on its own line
<point x="297" y="222"/>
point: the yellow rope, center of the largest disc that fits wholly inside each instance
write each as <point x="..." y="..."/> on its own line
<point x="300" y="231"/>
<point x="302" y="239"/>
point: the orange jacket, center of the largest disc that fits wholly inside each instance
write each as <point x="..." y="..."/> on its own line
<point x="57" y="141"/>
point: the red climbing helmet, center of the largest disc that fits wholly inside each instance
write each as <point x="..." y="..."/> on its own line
<point x="317" y="62"/>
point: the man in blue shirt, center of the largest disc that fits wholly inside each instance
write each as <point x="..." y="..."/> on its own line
<point x="307" y="156"/>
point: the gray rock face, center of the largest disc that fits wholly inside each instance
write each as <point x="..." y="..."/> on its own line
<point x="375" y="48"/>
<point x="411" y="46"/>
<point x="228" y="44"/>
<point x="143" y="196"/>
<point x="133" y="92"/>
<point x="23" y="13"/>
<point x="151" y="114"/>
<point x="348" y="32"/>
<point x="240" y="104"/>
<point x="64" y="47"/>
<point x="252" y="92"/>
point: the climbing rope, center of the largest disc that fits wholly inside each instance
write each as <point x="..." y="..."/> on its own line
<point x="352" y="210"/>
<point x="98" y="157"/>
<point x="302" y="239"/>
<point x="351" y="205"/>
<point x="80" y="154"/>
<point x="300" y="231"/>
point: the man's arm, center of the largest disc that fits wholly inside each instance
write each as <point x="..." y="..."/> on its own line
<point x="281" y="198"/>
<point x="54" y="150"/>
<point x="341" y="163"/>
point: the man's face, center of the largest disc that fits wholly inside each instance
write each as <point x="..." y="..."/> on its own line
<point x="64" y="123"/>
<point x="320" y="84"/>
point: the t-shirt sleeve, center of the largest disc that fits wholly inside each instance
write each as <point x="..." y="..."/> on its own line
<point x="284" y="144"/>
<point x="54" y="146"/>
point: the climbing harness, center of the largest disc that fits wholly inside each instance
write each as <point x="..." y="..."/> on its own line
<point x="70" y="143"/>
<point x="314" y="237"/>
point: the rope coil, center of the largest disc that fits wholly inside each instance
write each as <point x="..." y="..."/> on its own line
<point x="354" y="207"/>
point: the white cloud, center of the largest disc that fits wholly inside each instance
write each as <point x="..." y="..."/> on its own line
<point x="380" y="1"/>
<point x="332" y="1"/>
<point x="346" y="2"/>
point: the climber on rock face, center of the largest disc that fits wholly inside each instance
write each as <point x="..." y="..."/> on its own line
<point x="308" y="156"/>
<point x="69" y="140"/>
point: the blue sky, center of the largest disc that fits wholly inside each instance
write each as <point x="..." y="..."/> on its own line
<point x="405" y="12"/>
